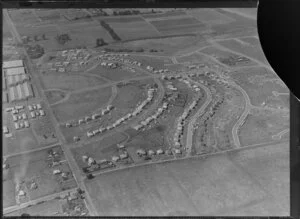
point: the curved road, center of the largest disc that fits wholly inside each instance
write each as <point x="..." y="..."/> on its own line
<point x="190" y="132"/>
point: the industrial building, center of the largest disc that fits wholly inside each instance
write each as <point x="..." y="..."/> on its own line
<point x="14" y="71"/>
<point x="12" y="64"/>
<point x="20" y="92"/>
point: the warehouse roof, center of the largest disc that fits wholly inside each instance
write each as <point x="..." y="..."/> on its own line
<point x="15" y="71"/>
<point x="13" y="64"/>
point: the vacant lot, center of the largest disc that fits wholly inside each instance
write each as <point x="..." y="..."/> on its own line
<point x="210" y="16"/>
<point x="78" y="105"/>
<point x="134" y="30"/>
<point x="217" y="185"/>
<point x="261" y="125"/>
<point x="69" y="82"/>
<point x="254" y="52"/>
<point x="116" y="74"/>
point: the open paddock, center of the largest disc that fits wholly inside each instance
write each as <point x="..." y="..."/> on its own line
<point x="69" y="82"/>
<point x="134" y="30"/>
<point x="184" y="29"/>
<point x="171" y="23"/>
<point x="163" y="15"/>
<point x="261" y="125"/>
<point x="23" y="17"/>
<point x="121" y="19"/>
<point x="49" y="15"/>
<point x="80" y="104"/>
<point x="231" y="184"/>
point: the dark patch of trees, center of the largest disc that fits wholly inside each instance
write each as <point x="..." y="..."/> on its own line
<point x="62" y="38"/>
<point x="107" y="27"/>
<point x="100" y="42"/>
<point x="35" y="52"/>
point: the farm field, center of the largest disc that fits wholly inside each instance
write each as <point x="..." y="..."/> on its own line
<point x="69" y="82"/>
<point x="23" y="17"/>
<point x="259" y="83"/>
<point x="78" y="105"/>
<point x="51" y="15"/>
<point x="155" y="62"/>
<point x="210" y="16"/>
<point x="185" y="187"/>
<point x="33" y="167"/>
<point x="168" y="46"/>
<point x="121" y="19"/>
<point x="117" y="74"/>
<point x="255" y="52"/>
<point x="163" y="15"/>
<point x="195" y="58"/>
<point x="261" y="125"/>
<point x="134" y="30"/>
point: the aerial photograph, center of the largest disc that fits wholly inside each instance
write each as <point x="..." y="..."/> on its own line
<point x="141" y="112"/>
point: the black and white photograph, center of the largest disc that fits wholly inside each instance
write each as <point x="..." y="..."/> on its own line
<point x="141" y="112"/>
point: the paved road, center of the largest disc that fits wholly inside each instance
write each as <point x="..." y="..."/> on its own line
<point x="190" y="128"/>
<point x="35" y="78"/>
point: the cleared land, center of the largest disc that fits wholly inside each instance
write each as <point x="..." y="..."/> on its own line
<point x="54" y="95"/>
<point x="217" y="185"/>
<point x="78" y="105"/>
<point x="69" y="82"/>
<point x="261" y="125"/>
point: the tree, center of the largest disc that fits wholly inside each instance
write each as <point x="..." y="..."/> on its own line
<point x="90" y="176"/>
<point x="62" y="38"/>
<point x="100" y="42"/>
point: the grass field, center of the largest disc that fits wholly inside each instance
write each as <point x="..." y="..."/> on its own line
<point x="121" y="19"/>
<point x="23" y="140"/>
<point x="193" y="58"/>
<point x="254" y="52"/>
<point x="69" y="82"/>
<point x="256" y="82"/>
<point x="54" y="95"/>
<point x="23" y="17"/>
<point x="78" y="105"/>
<point x="261" y="125"/>
<point x="134" y="30"/>
<point x="48" y="15"/>
<point x="103" y="149"/>
<point x="217" y="185"/>
<point x="117" y="74"/>
<point x="210" y="16"/>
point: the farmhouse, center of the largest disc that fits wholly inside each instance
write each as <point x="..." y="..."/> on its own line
<point x="123" y="156"/>
<point x="115" y="158"/>
<point x="12" y="64"/>
<point x="141" y="152"/>
<point x="26" y="123"/>
<point x="151" y="152"/>
<point x="159" y="151"/>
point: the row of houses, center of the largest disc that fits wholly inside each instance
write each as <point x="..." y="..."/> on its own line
<point x="20" y="92"/>
<point x="22" y="125"/>
<point x="124" y="118"/>
<point x="149" y="119"/>
<point x="94" y="116"/>
<point x="181" y="120"/>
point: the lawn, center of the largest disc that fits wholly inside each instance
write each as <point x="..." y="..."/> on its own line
<point x="69" y="82"/>
<point x="78" y="105"/>
<point x="217" y="185"/>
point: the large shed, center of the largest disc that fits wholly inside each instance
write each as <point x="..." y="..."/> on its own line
<point x="12" y="64"/>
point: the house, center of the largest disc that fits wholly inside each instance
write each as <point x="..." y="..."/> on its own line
<point x="26" y="123"/>
<point x="141" y="152"/>
<point x="57" y="171"/>
<point x="39" y="106"/>
<point x="177" y="151"/>
<point x="30" y="108"/>
<point x="5" y="130"/>
<point x="115" y="158"/>
<point x="123" y="156"/>
<point x="68" y="125"/>
<point x="159" y="151"/>
<point x="95" y="116"/>
<point x="90" y="134"/>
<point x="151" y="152"/>
<point x="91" y="161"/>
<point x="24" y="116"/>
<point x="15" y="118"/>
<point x="17" y="127"/>
<point x="42" y="113"/>
<point x="32" y="114"/>
<point x="80" y="121"/>
<point x="95" y="132"/>
<point x="121" y="146"/>
<point x="76" y="138"/>
<point x="87" y="118"/>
